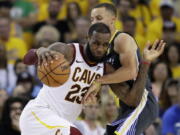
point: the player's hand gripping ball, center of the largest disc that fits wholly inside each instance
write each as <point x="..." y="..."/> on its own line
<point x="54" y="73"/>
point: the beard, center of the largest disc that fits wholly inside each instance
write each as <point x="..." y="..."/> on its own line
<point x="93" y="58"/>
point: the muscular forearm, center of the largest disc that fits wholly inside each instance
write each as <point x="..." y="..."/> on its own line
<point x="121" y="75"/>
<point x="135" y="95"/>
<point x="32" y="56"/>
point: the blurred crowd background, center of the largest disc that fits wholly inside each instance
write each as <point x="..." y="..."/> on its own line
<point x="26" y="24"/>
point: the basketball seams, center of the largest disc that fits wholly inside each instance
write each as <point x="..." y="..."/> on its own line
<point x="52" y="70"/>
<point x="48" y="72"/>
<point x="41" y="72"/>
<point x="45" y="75"/>
<point x="48" y="75"/>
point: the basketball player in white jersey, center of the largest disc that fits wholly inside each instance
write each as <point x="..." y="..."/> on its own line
<point x="56" y="108"/>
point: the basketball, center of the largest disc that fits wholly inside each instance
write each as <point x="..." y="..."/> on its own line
<point x="54" y="74"/>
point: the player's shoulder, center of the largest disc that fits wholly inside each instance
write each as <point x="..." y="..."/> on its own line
<point x="62" y="45"/>
<point x="74" y="46"/>
<point x="122" y="37"/>
<point x="124" y="42"/>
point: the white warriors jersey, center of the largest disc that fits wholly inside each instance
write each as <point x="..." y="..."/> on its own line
<point x="66" y="99"/>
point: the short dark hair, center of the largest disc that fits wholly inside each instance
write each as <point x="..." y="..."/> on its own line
<point x="107" y="6"/>
<point x="6" y="119"/>
<point x="98" y="27"/>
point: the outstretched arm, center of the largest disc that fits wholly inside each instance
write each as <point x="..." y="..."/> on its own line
<point x="54" y="51"/>
<point x="149" y="54"/>
<point x="132" y="96"/>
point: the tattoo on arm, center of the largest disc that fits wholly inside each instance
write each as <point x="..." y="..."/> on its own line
<point x="66" y="50"/>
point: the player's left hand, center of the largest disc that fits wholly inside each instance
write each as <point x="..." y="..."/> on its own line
<point x="90" y="97"/>
<point x="46" y="55"/>
<point x="150" y="53"/>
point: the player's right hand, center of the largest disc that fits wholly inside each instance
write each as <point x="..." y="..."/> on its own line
<point x="150" y="53"/>
<point x="91" y="100"/>
<point x="46" y="55"/>
<point x="90" y="97"/>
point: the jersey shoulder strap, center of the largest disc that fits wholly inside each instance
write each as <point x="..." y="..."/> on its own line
<point x="78" y="55"/>
<point x="111" y="42"/>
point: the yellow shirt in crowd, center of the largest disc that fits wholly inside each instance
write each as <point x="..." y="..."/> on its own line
<point x="139" y="26"/>
<point x="138" y="35"/>
<point x="154" y="6"/>
<point x="16" y="48"/>
<point x="142" y="14"/>
<point x="39" y="2"/>
<point x="43" y="9"/>
<point x="155" y="31"/>
<point x="176" y="72"/>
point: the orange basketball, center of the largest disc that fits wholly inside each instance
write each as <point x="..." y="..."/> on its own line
<point x="54" y="74"/>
